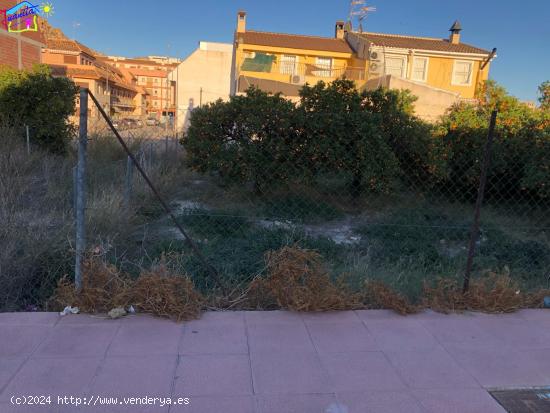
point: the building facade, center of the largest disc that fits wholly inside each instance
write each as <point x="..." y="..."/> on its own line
<point x="151" y="74"/>
<point x="118" y="92"/>
<point x="440" y="72"/>
<point x="203" y="77"/>
<point x="18" y="50"/>
<point x="284" y="63"/>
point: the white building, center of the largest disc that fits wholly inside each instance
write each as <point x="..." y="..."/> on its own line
<point x="203" y="77"/>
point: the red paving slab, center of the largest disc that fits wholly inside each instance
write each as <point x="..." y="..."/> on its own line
<point x="267" y="362"/>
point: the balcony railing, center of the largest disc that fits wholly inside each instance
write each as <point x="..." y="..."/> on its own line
<point x="122" y="102"/>
<point x="287" y="70"/>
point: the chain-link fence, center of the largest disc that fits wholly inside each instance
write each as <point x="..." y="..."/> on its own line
<point x="380" y="198"/>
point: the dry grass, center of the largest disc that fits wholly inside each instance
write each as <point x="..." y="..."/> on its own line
<point x="377" y="295"/>
<point x="493" y="293"/>
<point x="298" y="281"/>
<point x="155" y="292"/>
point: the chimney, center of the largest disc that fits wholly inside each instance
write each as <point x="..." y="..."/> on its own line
<point x="339" y="30"/>
<point x="455" y="33"/>
<point x="241" y="22"/>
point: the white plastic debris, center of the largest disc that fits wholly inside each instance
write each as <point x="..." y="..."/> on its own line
<point x="117" y="313"/>
<point x="337" y="408"/>
<point x="131" y="310"/>
<point x="69" y="310"/>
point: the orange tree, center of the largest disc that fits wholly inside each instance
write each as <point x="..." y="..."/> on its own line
<point x="340" y="136"/>
<point x="520" y="161"/>
<point x="42" y="102"/>
<point x="251" y="138"/>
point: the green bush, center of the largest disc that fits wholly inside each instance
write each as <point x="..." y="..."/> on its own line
<point x="368" y="138"/>
<point x="248" y="139"/>
<point x="341" y="136"/>
<point x="42" y="102"/>
<point x="520" y="156"/>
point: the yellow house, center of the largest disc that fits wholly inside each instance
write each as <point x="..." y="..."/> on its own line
<point x="285" y="62"/>
<point x="438" y="71"/>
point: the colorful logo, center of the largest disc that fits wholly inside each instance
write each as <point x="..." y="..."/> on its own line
<point x="23" y="16"/>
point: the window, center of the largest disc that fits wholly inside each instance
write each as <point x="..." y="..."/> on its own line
<point x="323" y="66"/>
<point x="288" y="64"/>
<point x="462" y="73"/>
<point x="420" y="69"/>
<point x="395" y="66"/>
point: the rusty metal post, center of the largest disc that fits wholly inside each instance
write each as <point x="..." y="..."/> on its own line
<point x="480" y="194"/>
<point x="81" y="189"/>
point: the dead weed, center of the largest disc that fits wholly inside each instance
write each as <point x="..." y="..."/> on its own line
<point x="492" y="293"/>
<point x="298" y="281"/>
<point x="156" y="292"/>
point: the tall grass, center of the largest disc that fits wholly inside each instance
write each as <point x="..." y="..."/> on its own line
<point x="37" y="216"/>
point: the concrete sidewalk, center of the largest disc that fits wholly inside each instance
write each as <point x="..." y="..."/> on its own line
<point x="274" y="362"/>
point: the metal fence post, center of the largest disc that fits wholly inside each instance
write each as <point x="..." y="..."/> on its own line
<point x="481" y="192"/>
<point x="28" y="140"/>
<point x="81" y="189"/>
<point x="75" y="189"/>
<point x="129" y="179"/>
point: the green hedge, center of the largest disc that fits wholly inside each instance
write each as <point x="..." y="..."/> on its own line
<point x="42" y="102"/>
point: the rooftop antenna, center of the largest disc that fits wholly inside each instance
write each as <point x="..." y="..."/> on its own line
<point x="359" y="10"/>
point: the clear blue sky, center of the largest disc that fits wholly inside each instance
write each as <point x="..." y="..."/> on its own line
<point x="519" y="29"/>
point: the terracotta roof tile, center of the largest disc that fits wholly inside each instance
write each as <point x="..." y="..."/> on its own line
<point x="68" y="45"/>
<point x="293" y="41"/>
<point x="420" y="43"/>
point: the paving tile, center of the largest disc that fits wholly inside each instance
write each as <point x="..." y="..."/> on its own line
<point x="42" y="408"/>
<point x="458" y="401"/>
<point x="214" y="339"/>
<point x="542" y="360"/>
<point x="226" y="318"/>
<point x="21" y="319"/>
<point x="279" y="373"/>
<point x="518" y="333"/>
<point x="154" y="339"/>
<point x="361" y="372"/>
<point x="331" y="317"/>
<point x="86" y="319"/>
<point x="8" y="367"/>
<point x="379" y="402"/>
<point x="136" y="376"/>
<point x="430" y="369"/>
<point x="400" y="334"/>
<point x="214" y="375"/>
<point x="272" y="317"/>
<point x="77" y="340"/>
<point x="241" y="404"/>
<point x="53" y="376"/>
<point x="542" y="314"/>
<point x="286" y="337"/>
<point x="17" y="341"/>
<point x="126" y="408"/>
<point x="460" y="329"/>
<point x="497" y="366"/>
<point x="378" y="315"/>
<point x="297" y="403"/>
<point x="341" y="337"/>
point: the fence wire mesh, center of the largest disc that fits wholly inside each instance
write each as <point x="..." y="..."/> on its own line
<point x="374" y="196"/>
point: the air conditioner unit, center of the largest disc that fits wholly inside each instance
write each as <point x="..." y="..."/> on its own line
<point x="298" y="79"/>
<point x="376" y="68"/>
<point x="374" y="56"/>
